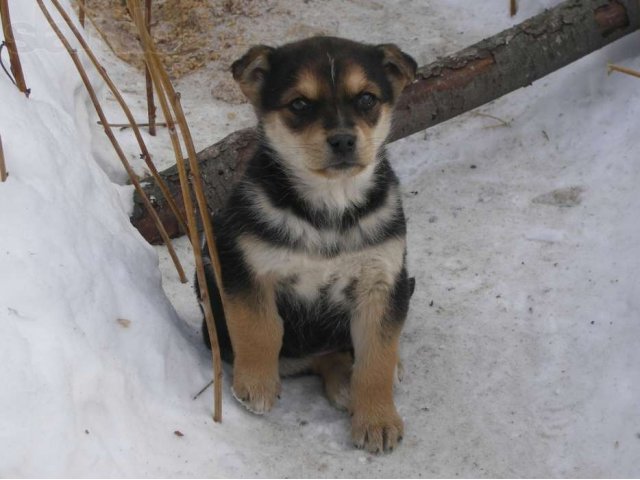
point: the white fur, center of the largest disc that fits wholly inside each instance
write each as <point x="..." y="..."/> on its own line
<point x="383" y="261"/>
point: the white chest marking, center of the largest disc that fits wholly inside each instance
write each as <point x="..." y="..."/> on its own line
<point x="380" y="263"/>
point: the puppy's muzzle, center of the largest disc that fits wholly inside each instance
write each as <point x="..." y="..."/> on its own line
<point x="343" y="147"/>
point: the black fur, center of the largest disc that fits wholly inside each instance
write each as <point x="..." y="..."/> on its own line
<point x="310" y="327"/>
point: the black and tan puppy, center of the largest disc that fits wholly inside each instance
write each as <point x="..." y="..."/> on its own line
<point x="312" y="240"/>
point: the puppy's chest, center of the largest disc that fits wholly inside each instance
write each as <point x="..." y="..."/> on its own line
<point x="310" y="279"/>
<point x="336" y="279"/>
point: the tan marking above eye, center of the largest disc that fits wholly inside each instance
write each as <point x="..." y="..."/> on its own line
<point x="307" y="87"/>
<point x="355" y="82"/>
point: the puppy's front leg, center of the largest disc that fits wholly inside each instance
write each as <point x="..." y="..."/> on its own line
<point x="256" y="332"/>
<point x="375" y="425"/>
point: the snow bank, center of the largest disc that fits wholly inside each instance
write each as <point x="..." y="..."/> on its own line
<point x="77" y="383"/>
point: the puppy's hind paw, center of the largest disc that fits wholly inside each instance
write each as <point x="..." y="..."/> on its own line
<point x="257" y="397"/>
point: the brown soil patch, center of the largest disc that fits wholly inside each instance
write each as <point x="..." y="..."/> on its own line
<point x="189" y="33"/>
<point x="203" y="34"/>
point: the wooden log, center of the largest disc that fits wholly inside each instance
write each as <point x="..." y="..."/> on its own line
<point x="444" y="89"/>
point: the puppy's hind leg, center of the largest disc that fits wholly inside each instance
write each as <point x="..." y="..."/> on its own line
<point x="335" y="370"/>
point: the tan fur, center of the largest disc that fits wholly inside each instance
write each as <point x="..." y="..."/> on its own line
<point x="249" y="72"/>
<point x="335" y="370"/>
<point x="356" y="82"/>
<point x="371" y="138"/>
<point x="307" y="149"/>
<point x="308" y="87"/>
<point x="375" y="424"/>
<point x="401" y="72"/>
<point x="256" y="332"/>
<point x="308" y="152"/>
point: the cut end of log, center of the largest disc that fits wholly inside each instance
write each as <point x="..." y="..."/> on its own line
<point x="611" y="17"/>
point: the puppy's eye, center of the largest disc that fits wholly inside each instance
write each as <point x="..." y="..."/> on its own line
<point x="366" y="101"/>
<point x="300" y="105"/>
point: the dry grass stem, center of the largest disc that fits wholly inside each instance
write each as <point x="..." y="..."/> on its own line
<point x="513" y="7"/>
<point x="628" y="71"/>
<point x="94" y="99"/>
<point x="123" y="126"/>
<point x="146" y="156"/>
<point x="3" y="168"/>
<point x="81" y="12"/>
<point x="503" y="123"/>
<point x="151" y="108"/>
<point x="10" y="41"/>
<point x="166" y="93"/>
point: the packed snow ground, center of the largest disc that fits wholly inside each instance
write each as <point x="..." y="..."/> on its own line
<point x="521" y="348"/>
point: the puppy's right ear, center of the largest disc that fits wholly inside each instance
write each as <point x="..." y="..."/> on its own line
<point x="250" y="71"/>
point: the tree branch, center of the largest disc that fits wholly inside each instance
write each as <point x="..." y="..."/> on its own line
<point x="444" y="89"/>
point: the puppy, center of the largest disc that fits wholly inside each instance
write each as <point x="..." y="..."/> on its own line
<point x="312" y="240"/>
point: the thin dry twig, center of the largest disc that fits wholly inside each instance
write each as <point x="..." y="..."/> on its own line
<point x="151" y="108"/>
<point x="10" y="41"/>
<point x="204" y="389"/>
<point x="3" y="168"/>
<point x="166" y="93"/>
<point x="81" y="12"/>
<point x="628" y="71"/>
<point x="123" y="126"/>
<point x="503" y="123"/>
<point x="146" y="156"/>
<point x="123" y="158"/>
<point x="513" y="7"/>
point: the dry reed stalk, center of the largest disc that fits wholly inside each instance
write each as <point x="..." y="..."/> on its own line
<point x="151" y="108"/>
<point x="10" y="41"/>
<point x="82" y="14"/>
<point x="3" y="168"/>
<point x="166" y="92"/>
<point x="146" y="156"/>
<point x="513" y="7"/>
<point x="628" y="71"/>
<point x="128" y="125"/>
<point x="94" y="99"/>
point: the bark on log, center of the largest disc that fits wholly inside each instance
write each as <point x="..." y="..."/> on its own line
<point x="444" y="89"/>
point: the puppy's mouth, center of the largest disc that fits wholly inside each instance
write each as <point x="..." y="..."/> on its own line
<point x="340" y="165"/>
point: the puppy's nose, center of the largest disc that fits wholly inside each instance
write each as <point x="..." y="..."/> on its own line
<point x="342" y="143"/>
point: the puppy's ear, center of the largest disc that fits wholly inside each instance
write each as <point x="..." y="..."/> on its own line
<point x="250" y="70"/>
<point x="400" y="67"/>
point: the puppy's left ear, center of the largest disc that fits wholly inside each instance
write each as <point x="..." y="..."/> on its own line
<point x="400" y="67"/>
<point x="250" y="71"/>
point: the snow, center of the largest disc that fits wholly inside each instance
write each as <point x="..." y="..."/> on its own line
<point x="520" y="351"/>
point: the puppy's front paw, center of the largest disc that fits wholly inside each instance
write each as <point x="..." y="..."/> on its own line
<point x="377" y="432"/>
<point x="257" y="394"/>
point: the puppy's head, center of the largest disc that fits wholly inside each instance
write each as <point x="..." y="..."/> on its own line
<point x="325" y="103"/>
